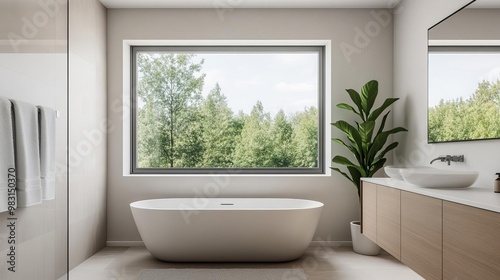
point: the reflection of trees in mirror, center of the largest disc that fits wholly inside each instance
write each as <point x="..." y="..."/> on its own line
<point x="178" y="127"/>
<point x="477" y="117"/>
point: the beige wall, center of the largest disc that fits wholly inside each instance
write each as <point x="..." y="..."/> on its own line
<point x="469" y="24"/>
<point x="34" y="70"/>
<point x="410" y="84"/>
<point x="32" y="26"/>
<point x="87" y="154"/>
<point x="371" y="59"/>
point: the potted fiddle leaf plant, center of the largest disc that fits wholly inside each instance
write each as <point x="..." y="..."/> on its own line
<point x="366" y="141"/>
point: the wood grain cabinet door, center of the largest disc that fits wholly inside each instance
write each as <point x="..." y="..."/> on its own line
<point x="389" y="220"/>
<point x="422" y="234"/>
<point x="471" y="243"/>
<point x="369" y="211"/>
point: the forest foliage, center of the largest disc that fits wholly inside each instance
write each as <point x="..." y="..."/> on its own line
<point x="177" y="127"/>
<point x="477" y="117"/>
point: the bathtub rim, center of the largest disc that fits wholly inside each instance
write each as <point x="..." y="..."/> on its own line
<point x="312" y="204"/>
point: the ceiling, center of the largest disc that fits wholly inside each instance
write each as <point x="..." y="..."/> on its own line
<point x="218" y="4"/>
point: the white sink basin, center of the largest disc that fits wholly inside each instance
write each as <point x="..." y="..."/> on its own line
<point x="429" y="177"/>
<point x="394" y="171"/>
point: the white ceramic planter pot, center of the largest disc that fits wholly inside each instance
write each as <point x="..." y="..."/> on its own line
<point x="360" y="243"/>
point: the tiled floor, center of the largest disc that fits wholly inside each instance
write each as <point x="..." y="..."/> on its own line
<point x="319" y="263"/>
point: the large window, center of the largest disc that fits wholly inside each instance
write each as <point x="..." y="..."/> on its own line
<point x="253" y="110"/>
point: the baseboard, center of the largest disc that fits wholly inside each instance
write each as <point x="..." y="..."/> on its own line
<point x="124" y="243"/>
<point x="313" y="243"/>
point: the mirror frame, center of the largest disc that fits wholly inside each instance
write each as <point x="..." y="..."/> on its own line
<point x="428" y="86"/>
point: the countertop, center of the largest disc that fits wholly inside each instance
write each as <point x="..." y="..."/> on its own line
<point x="482" y="198"/>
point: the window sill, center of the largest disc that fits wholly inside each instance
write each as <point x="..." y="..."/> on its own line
<point x="328" y="174"/>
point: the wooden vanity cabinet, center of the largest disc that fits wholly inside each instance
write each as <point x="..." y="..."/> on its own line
<point x="369" y="211"/>
<point x="380" y="219"/>
<point x="436" y="238"/>
<point x="389" y="220"/>
<point x="422" y="234"/>
<point x="471" y="243"/>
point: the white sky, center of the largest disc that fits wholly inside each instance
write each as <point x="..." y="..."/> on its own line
<point x="452" y="76"/>
<point x="279" y="80"/>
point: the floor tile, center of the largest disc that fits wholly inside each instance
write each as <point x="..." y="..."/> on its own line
<point x="319" y="263"/>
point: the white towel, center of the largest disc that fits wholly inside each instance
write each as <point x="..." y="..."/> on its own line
<point x="6" y="151"/>
<point x="29" y="188"/>
<point x="47" y="130"/>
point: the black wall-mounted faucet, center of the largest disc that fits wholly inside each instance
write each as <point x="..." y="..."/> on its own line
<point x="449" y="159"/>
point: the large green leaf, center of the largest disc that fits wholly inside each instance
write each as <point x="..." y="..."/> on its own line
<point x="344" y="161"/>
<point x="376" y="113"/>
<point x="366" y="133"/>
<point x="376" y="166"/>
<point x="343" y="173"/>
<point x="382" y="124"/>
<point x="351" y="133"/>
<point x="356" y="98"/>
<point x="356" y="177"/>
<point x="390" y="147"/>
<point x="369" y="94"/>
<point x="379" y="141"/>
<point x="357" y="125"/>
<point x="353" y="149"/>
<point x="347" y="107"/>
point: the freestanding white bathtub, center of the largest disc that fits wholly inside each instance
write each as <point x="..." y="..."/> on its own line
<point x="226" y="229"/>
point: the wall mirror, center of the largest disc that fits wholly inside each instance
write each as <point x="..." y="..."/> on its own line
<point x="464" y="74"/>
